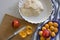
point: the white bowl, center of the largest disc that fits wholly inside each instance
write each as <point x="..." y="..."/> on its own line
<point x="43" y="16"/>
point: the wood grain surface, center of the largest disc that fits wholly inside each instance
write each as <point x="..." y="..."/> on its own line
<point x="6" y="28"/>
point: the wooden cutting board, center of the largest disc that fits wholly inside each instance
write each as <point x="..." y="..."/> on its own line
<point x="6" y="28"/>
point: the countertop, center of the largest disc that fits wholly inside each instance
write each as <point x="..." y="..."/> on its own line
<point x="9" y="7"/>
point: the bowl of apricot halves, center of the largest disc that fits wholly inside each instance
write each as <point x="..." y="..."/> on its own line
<point x="48" y="31"/>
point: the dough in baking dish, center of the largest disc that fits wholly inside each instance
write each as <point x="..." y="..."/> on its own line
<point x="32" y="8"/>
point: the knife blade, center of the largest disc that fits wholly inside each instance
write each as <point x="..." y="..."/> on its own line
<point x="15" y="33"/>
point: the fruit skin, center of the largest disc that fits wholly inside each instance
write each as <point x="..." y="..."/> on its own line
<point x="53" y="34"/>
<point x="46" y="33"/>
<point x="55" y="30"/>
<point x="47" y="26"/>
<point x="40" y="33"/>
<point x="50" y="23"/>
<point x="48" y="38"/>
<point x="42" y="38"/>
<point x="55" y="24"/>
<point x="15" y="23"/>
<point x="29" y="27"/>
<point x="52" y="28"/>
<point x="49" y="30"/>
<point x="43" y="28"/>
<point x="29" y="30"/>
<point x="23" y="34"/>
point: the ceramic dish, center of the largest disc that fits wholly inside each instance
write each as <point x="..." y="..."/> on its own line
<point x="47" y="4"/>
<point x="52" y="38"/>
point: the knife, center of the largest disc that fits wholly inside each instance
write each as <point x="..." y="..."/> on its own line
<point x="15" y="33"/>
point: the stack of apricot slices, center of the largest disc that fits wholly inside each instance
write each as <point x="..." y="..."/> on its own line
<point x="49" y="30"/>
<point x="27" y="31"/>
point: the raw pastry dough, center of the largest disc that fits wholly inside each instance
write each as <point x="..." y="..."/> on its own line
<point x="32" y="8"/>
